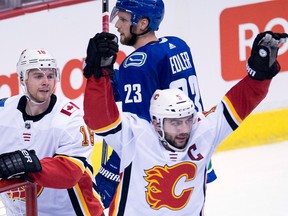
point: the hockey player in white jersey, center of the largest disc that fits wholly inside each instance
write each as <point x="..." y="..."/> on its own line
<point x="45" y="139"/>
<point x="155" y="63"/>
<point x="164" y="163"/>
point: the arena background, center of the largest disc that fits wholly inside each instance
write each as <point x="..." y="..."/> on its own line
<point x="220" y="34"/>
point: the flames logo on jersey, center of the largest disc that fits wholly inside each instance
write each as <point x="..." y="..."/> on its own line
<point x="162" y="182"/>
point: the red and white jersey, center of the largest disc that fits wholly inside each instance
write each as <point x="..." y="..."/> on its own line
<point x="61" y="141"/>
<point x="155" y="181"/>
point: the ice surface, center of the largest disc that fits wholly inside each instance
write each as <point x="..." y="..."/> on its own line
<point x="251" y="181"/>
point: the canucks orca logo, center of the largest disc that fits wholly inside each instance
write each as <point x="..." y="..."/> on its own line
<point x="136" y="59"/>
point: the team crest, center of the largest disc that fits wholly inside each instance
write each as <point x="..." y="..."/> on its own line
<point x="136" y="59"/>
<point x="162" y="181"/>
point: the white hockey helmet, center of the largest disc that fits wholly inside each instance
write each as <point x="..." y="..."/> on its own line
<point x="170" y="103"/>
<point x="35" y="59"/>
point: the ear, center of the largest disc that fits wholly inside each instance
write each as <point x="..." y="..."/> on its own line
<point x="21" y="79"/>
<point x="22" y="83"/>
<point x="144" y="23"/>
<point x="155" y="124"/>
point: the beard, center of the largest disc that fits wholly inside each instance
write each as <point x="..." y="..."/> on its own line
<point x="129" y="41"/>
<point x="173" y="140"/>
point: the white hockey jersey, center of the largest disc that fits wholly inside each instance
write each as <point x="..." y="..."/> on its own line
<point x="61" y="141"/>
<point x="154" y="181"/>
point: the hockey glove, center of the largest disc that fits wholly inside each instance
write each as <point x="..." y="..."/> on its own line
<point x="262" y="63"/>
<point x="18" y="163"/>
<point x="101" y="53"/>
<point x="108" y="179"/>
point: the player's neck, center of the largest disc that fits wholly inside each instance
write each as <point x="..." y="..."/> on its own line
<point x="142" y="40"/>
<point x="33" y="109"/>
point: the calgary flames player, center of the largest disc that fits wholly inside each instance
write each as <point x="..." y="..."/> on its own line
<point x="44" y="138"/>
<point x="164" y="163"/>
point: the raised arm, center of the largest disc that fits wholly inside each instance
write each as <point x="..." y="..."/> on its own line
<point x="262" y="66"/>
<point x="100" y="110"/>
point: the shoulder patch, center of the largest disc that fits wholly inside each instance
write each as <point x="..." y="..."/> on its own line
<point x="69" y="108"/>
<point x="136" y="59"/>
<point x="2" y="101"/>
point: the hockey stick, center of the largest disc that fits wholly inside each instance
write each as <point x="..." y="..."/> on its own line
<point x="105" y="15"/>
<point x="105" y="28"/>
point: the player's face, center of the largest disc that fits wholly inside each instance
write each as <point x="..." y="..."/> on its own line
<point x="123" y="26"/>
<point x="177" y="130"/>
<point x="41" y="84"/>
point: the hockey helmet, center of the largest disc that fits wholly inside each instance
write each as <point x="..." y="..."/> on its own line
<point x="35" y="59"/>
<point x="151" y="9"/>
<point x="170" y="103"/>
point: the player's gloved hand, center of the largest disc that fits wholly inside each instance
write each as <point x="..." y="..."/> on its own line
<point x="107" y="180"/>
<point x="101" y="54"/>
<point x="262" y="63"/>
<point x="18" y="163"/>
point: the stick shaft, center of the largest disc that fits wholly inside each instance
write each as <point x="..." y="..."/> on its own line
<point x="105" y="28"/>
<point x="105" y="15"/>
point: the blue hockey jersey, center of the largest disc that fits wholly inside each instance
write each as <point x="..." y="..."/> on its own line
<point x="162" y="64"/>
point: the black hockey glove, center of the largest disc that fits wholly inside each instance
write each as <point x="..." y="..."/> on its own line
<point x="262" y="63"/>
<point x="101" y="53"/>
<point x="18" y="163"/>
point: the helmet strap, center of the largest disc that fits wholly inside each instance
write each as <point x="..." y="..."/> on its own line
<point x="133" y="39"/>
<point x="166" y="144"/>
<point x="24" y="88"/>
<point x="29" y="99"/>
